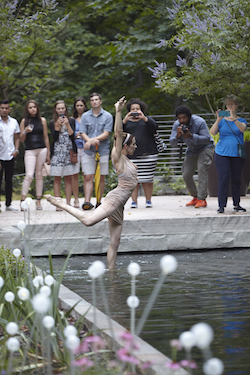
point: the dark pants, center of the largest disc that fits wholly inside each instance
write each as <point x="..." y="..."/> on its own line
<point x="8" y="166"/>
<point x="228" y="168"/>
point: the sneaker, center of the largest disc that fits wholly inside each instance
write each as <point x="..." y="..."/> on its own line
<point x="192" y="202"/>
<point x="148" y="204"/>
<point x="11" y="208"/>
<point x="220" y="210"/>
<point x="201" y="203"/>
<point x="133" y="205"/>
<point x="239" y="208"/>
<point x="87" y="206"/>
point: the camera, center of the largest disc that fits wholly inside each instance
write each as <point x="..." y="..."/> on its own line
<point x="185" y="128"/>
<point x="134" y="114"/>
<point x="62" y="115"/>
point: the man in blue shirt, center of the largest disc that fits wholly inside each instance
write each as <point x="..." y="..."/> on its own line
<point x="96" y="124"/>
<point x="193" y="131"/>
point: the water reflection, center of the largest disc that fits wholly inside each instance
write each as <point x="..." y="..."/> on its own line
<point x="207" y="286"/>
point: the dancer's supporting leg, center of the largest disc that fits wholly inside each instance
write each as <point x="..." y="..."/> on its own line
<point x="86" y="218"/>
<point x="115" y="234"/>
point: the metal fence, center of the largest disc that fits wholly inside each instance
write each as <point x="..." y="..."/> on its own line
<point x="171" y="157"/>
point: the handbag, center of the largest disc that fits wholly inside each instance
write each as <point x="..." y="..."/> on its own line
<point x="46" y="170"/>
<point x="241" y="148"/>
<point x="160" y="145"/>
<point x="73" y="156"/>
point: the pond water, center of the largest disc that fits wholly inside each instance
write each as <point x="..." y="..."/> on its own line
<point x="208" y="286"/>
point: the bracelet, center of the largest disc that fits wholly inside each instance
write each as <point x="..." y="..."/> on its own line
<point x="16" y="151"/>
<point x="24" y="132"/>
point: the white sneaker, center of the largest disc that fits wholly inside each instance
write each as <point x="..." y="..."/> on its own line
<point x="11" y="208"/>
<point x="133" y="205"/>
<point x="149" y="204"/>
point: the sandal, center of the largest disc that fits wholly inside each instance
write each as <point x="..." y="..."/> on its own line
<point x="76" y="205"/>
<point x="38" y="207"/>
<point x="22" y="209"/>
<point x="59" y="209"/>
<point x="87" y="206"/>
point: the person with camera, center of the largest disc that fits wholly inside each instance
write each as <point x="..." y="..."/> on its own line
<point x="193" y="131"/>
<point x="62" y="129"/>
<point x="145" y="156"/>
<point x="34" y="133"/>
<point x="228" y="162"/>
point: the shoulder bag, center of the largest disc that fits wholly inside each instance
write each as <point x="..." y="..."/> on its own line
<point x="73" y="156"/>
<point x="241" y="148"/>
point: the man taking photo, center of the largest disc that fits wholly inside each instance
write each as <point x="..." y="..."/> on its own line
<point x="193" y="131"/>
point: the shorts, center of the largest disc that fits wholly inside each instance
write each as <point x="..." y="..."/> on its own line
<point x="88" y="164"/>
<point x="80" y="156"/>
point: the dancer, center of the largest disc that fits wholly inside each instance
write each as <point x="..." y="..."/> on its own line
<point x="113" y="205"/>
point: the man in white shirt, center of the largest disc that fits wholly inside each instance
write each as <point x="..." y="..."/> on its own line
<point x="9" y="149"/>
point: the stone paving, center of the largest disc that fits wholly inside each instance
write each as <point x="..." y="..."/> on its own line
<point x="169" y="225"/>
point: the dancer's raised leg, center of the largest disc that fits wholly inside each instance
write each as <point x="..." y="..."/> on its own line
<point x="86" y="218"/>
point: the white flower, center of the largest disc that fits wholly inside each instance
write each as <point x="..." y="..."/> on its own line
<point x="214" y="366"/>
<point x="24" y="205"/>
<point x="72" y="342"/>
<point x="23" y="294"/>
<point x="168" y="264"/>
<point x="1" y="281"/>
<point x="9" y="296"/>
<point x="13" y="344"/>
<point x="133" y="302"/>
<point x="45" y="290"/>
<point x="204" y="335"/>
<point x="40" y="303"/>
<point x="134" y="269"/>
<point x="28" y="201"/>
<point x="12" y="328"/>
<point x="70" y="331"/>
<point x="37" y="281"/>
<point x="48" y="322"/>
<point x="187" y="340"/>
<point x="96" y="269"/>
<point x="21" y="225"/>
<point x="17" y="253"/>
<point x="49" y="280"/>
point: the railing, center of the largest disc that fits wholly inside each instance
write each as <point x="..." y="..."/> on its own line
<point x="171" y="157"/>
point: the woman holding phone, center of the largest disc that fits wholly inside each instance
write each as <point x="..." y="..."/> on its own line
<point x="228" y="163"/>
<point x="34" y="132"/>
<point x="62" y="129"/>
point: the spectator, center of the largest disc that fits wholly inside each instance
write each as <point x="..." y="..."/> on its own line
<point x="9" y="149"/>
<point x="193" y="131"/>
<point x="62" y="128"/>
<point x="96" y="125"/>
<point x="34" y="133"/>
<point x="228" y="163"/>
<point x="80" y="106"/>
<point x="146" y="154"/>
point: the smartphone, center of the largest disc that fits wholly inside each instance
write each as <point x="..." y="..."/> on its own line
<point x="224" y="113"/>
<point x="62" y="115"/>
<point x="134" y="114"/>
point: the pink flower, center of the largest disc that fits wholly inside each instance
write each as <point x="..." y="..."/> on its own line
<point x="83" y="362"/>
<point x="125" y="356"/>
<point x="146" y="365"/>
<point x="173" y="365"/>
<point x="188" y="363"/>
<point x="126" y="336"/>
<point x="176" y="344"/>
<point x="96" y="341"/>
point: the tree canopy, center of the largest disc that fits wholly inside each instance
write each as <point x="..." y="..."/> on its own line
<point x="212" y="44"/>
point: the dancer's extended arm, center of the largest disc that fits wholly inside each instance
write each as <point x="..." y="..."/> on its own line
<point x="118" y="130"/>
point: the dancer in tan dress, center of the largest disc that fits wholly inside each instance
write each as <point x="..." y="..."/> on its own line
<point x="114" y="202"/>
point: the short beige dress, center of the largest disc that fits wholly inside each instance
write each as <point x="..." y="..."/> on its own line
<point x="115" y="200"/>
